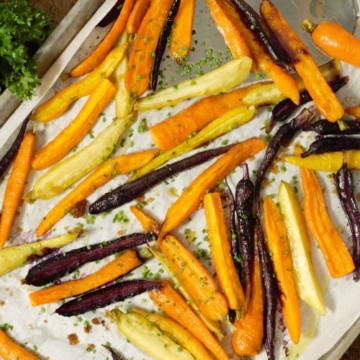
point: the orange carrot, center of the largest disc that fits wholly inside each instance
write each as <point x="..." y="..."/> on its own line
<point x="69" y="137"/>
<point x="15" y="186"/>
<point x="221" y="252"/>
<point x="353" y="111"/>
<point x="142" y="56"/>
<point x="104" y="173"/>
<point x="137" y="14"/>
<point x="249" y="331"/>
<point x="10" y="350"/>
<point x="178" y="128"/>
<point x="148" y="223"/>
<point x="125" y="262"/>
<point x="279" y="247"/>
<point x="195" y="278"/>
<point x="335" y="252"/>
<point x="181" y="33"/>
<point x="191" y="197"/>
<point x="175" y="307"/>
<point x="99" y="54"/>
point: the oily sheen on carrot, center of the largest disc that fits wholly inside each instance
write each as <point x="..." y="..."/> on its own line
<point x="99" y="54"/>
<point x="279" y="247"/>
<point x="191" y="196"/>
<point x="175" y="307"/>
<point x="125" y="262"/>
<point x="15" y="186"/>
<point x="175" y="130"/>
<point x="335" y="252"/>
<point x="221" y="252"/>
<point x="181" y="33"/>
<point x="142" y="56"/>
<point x="9" y="349"/>
<point x="324" y="98"/>
<point x="120" y="165"/>
<point x="69" y="137"/>
<point x="137" y="14"/>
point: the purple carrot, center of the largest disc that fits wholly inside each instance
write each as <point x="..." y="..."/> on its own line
<point x="345" y="190"/>
<point x="105" y="296"/>
<point x="114" y="354"/>
<point x="58" y="266"/>
<point x="325" y="127"/>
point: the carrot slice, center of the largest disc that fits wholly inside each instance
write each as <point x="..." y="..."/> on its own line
<point x="9" y="349"/>
<point x="137" y="14"/>
<point x="104" y="173"/>
<point x="69" y="137"/>
<point x="249" y="331"/>
<point x="336" y="254"/>
<point x="142" y="56"/>
<point x="99" y="54"/>
<point x="221" y="252"/>
<point x="191" y="197"/>
<point x="181" y="34"/>
<point x="15" y="186"/>
<point x="120" y="266"/>
<point x="175" y="307"/>
<point x="279" y="247"/>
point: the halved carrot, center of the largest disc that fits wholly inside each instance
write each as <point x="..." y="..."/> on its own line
<point x="99" y="54"/>
<point x="125" y="262"/>
<point x="10" y="350"/>
<point x="137" y="14"/>
<point x="181" y="34"/>
<point x="142" y="56"/>
<point x="15" y="186"/>
<point x="279" y="247"/>
<point x="178" y="128"/>
<point x="104" y="173"/>
<point x="175" y="307"/>
<point x="69" y="137"/>
<point x="191" y="196"/>
<point x="221" y="252"/>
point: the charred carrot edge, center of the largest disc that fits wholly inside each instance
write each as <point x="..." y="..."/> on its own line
<point x="279" y="247"/>
<point x="324" y="98"/>
<point x="69" y="137"/>
<point x="104" y="173"/>
<point x="283" y="81"/>
<point x="137" y="14"/>
<point x="141" y="59"/>
<point x="173" y="131"/>
<point x="15" y="186"/>
<point x="9" y="349"/>
<point x="111" y="271"/>
<point x="181" y="34"/>
<point x="99" y="54"/>
<point x="221" y="252"/>
<point x="175" y="307"/>
<point x="249" y="331"/>
<point x="336" y="254"/>
<point x="191" y="197"/>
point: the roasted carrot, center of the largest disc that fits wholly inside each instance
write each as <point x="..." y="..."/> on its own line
<point x="335" y="252"/>
<point x="279" y="247"/>
<point x="324" y="98"/>
<point x="10" y="350"/>
<point x="191" y="197"/>
<point x="125" y="262"/>
<point x="104" y="173"/>
<point x="334" y="41"/>
<point x="249" y="331"/>
<point x="181" y="34"/>
<point x="99" y="54"/>
<point x="15" y="186"/>
<point x="175" y="307"/>
<point x="69" y="137"/>
<point x="178" y="128"/>
<point x="137" y="14"/>
<point x="353" y="111"/>
<point x="148" y="223"/>
<point x="141" y="59"/>
<point x="60" y="102"/>
<point x="221" y="252"/>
